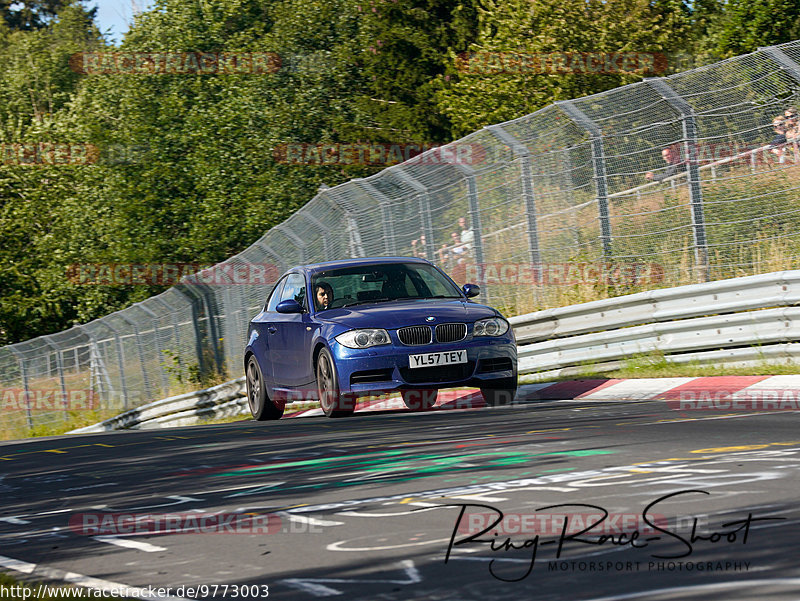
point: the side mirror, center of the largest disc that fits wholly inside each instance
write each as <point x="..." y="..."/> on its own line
<point x="471" y="290"/>
<point x="289" y="306"/>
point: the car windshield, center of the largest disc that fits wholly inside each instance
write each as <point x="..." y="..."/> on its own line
<point x="385" y="282"/>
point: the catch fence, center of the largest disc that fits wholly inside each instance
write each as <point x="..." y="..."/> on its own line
<point x="557" y="210"/>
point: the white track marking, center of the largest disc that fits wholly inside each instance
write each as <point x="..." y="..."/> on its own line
<point x="12" y="519"/>
<point x="81" y="580"/>
<point x="54" y="511"/>
<point x="129" y="544"/>
<point x="177" y="500"/>
<point x="17" y="565"/>
<point x="337" y="545"/>
<point x="313" y="586"/>
<point x="231" y="488"/>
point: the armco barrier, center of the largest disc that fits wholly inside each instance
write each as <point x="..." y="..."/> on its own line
<point x="742" y="320"/>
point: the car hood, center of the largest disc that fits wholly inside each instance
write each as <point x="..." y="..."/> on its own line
<point x="396" y="314"/>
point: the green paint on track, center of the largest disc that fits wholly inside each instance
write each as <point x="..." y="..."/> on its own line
<point x="399" y="460"/>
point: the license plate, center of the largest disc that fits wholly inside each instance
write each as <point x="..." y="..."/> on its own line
<point x="434" y="359"/>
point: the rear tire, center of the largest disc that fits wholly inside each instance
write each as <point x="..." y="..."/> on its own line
<point x="419" y="400"/>
<point x="261" y="407"/>
<point x="332" y="402"/>
<point x="501" y="393"/>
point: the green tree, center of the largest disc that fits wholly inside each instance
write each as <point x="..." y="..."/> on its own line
<point x="36" y="211"/>
<point x="402" y="49"/>
<point x="491" y="95"/>
<point x="30" y="14"/>
<point x="741" y="26"/>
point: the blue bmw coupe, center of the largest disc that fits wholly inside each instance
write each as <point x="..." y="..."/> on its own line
<point x="344" y="329"/>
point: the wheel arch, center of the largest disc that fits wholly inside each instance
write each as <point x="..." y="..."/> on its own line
<point x="318" y="346"/>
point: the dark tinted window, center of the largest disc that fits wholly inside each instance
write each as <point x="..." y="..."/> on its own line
<point x="386" y="282"/>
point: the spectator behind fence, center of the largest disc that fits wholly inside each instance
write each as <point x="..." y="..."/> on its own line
<point x="672" y="156"/>
<point x="792" y="125"/>
<point x="444" y="256"/>
<point x="419" y="247"/>
<point x="458" y="250"/>
<point x="467" y="235"/>
<point x="778" y="143"/>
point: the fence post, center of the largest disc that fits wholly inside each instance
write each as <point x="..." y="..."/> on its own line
<point x="791" y="67"/>
<point x="356" y="248"/>
<point x="280" y="264"/>
<point x="60" y="367"/>
<point x="389" y="242"/>
<point x="784" y="60"/>
<point x="234" y="316"/>
<point x="145" y="378"/>
<point x="189" y="289"/>
<point x="97" y="366"/>
<point x="120" y="363"/>
<point x="299" y="243"/>
<point x="23" y="372"/>
<point x="475" y="217"/>
<point x="599" y="168"/>
<point x="689" y="127"/>
<point x="424" y="206"/>
<point x="154" y="317"/>
<point x="175" y="326"/>
<point x="528" y="192"/>
<point x="324" y="233"/>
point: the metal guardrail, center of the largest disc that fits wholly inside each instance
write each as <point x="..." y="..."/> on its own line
<point x="748" y="319"/>
<point x="762" y="291"/>
<point x="741" y="320"/>
<point x="224" y="400"/>
<point x="201" y="404"/>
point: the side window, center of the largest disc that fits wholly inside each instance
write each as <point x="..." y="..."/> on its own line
<point x="295" y="288"/>
<point x="275" y="297"/>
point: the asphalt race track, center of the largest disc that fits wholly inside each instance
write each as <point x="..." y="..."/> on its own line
<point x="368" y="507"/>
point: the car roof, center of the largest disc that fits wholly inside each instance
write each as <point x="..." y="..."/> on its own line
<point x="316" y="267"/>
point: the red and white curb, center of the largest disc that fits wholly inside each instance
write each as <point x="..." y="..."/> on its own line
<point x="683" y="394"/>
<point x="448" y="399"/>
<point x="709" y="392"/>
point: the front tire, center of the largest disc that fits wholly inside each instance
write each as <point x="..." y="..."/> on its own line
<point x="419" y="400"/>
<point x="501" y="393"/>
<point x="261" y="407"/>
<point x="332" y="402"/>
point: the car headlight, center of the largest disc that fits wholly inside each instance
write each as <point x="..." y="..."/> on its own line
<point x="364" y="338"/>
<point x="494" y="326"/>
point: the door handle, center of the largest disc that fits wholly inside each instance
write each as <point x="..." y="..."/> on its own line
<point x="272" y="329"/>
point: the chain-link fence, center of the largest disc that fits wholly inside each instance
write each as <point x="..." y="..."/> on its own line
<point x="663" y="182"/>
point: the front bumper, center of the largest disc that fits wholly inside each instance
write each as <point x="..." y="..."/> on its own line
<point x="386" y="368"/>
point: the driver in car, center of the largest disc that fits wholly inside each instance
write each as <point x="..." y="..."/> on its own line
<point x="323" y="295"/>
